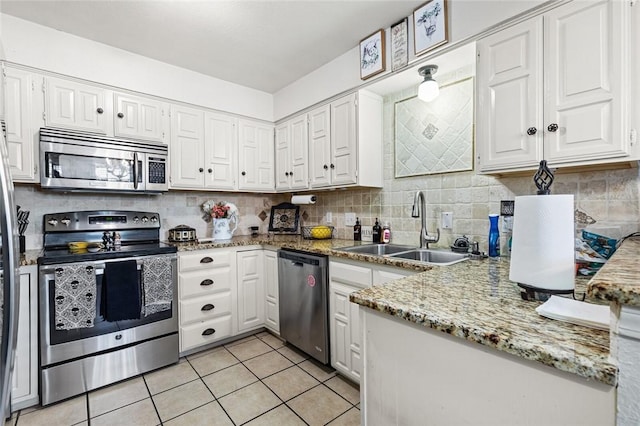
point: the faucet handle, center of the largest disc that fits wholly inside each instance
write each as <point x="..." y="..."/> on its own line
<point x="435" y="239"/>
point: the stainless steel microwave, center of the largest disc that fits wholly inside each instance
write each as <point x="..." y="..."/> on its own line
<point x="81" y="161"/>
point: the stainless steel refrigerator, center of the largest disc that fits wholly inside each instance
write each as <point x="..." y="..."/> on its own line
<point x="8" y="279"/>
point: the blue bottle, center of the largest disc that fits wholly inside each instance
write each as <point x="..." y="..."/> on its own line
<point x="494" y="236"/>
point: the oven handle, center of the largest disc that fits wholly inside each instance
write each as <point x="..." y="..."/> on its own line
<point x="136" y="171"/>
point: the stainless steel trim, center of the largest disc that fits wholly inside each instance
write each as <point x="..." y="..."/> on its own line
<point x="10" y="288"/>
<point x="73" y="378"/>
<point x="136" y="172"/>
<point x="51" y="354"/>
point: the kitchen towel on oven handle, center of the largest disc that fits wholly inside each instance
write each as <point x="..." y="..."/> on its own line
<point x="121" y="291"/>
<point x="157" y="284"/>
<point x="75" y="296"/>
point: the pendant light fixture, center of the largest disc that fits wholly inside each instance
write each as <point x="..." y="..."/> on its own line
<point x="428" y="89"/>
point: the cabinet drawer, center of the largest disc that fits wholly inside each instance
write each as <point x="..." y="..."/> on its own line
<point x="200" y="283"/>
<point x="192" y="336"/>
<point x="205" y="308"/>
<point x="205" y="259"/>
<point x="350" y="274"/>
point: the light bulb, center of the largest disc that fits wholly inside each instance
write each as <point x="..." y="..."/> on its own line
<point x="428" y="90"/>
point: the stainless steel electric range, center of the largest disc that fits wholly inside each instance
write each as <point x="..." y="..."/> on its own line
<point x="108" y="311"/>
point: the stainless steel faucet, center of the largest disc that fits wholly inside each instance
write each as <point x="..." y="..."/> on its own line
<point x="425" y="239"/>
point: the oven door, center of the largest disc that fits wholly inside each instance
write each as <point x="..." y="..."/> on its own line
<point x="74" y="166"/>
<point x="63" y="345"/>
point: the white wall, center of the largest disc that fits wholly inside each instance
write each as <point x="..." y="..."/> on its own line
<point x="466" y="18"/>
<point x="48" y="49"/>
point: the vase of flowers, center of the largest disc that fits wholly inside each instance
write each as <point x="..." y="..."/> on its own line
<point x="223" y="214"/>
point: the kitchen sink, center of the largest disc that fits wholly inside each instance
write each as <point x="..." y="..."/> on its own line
<point x="435" y="257"/>
<point x="377" y="249"/>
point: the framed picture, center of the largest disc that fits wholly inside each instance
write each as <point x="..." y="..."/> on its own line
<point x="372" y="58"/>
<point x="399" y="44"/>
<point x="429" y="26"/>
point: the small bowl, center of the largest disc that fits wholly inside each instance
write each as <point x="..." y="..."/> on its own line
<point x="78" y="245"/>
<point x="94" y="247"/>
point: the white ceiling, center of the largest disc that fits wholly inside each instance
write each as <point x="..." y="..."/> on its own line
<point x="265" y="44"/>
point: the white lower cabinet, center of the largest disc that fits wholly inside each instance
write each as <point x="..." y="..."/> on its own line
<point x="272" y="304"/>
<point x="207" y="293"/>
<point x="344" y="317"/>
<point x="251" y="300"/>
<point x="24" y="389"/>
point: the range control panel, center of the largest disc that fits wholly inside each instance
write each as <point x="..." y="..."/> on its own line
<point x="99" y="220"/>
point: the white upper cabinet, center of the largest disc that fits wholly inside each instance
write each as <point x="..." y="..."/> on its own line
<point x="220" y="145"/>
<point x="187" y="148"/>
<point x="551" y="88"/>
<point x="292" y="144"/>
<point x="74" y="105"/>
<point x="256" y="158"/>
<point x="345" y="142"/>
<point x="140" y="118"/>
<point x="23" y="106"/>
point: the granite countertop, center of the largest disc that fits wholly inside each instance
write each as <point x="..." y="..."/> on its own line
<point x="619" y="279"/>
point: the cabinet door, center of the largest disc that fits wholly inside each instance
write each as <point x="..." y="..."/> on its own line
<point x="139" y="118"/>
<point x="250" y="289"/>
<point x="509" y="88"/>
<point x="319" y="147"/>
<point x="299" y="146"/>
<point x="24" y="392"/>
<point x="187" y="147"/>
<point x="77" y="106"/>
<point x="272" y="307"/>
<point x="283" y="163"/>
<point x="340" y="327"/>
<point x="585" y="49"/>
<point x="257" y="165"/>
<point x="220" y="142"/>
<point x="22" y="141"/>
<point x="343" y="141"/>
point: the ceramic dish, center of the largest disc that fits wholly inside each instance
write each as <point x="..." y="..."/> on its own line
<point x="94" y="247"/>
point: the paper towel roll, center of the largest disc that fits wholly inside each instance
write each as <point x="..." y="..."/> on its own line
<point x="543" y="245"/>
<point x="303" y="199"/>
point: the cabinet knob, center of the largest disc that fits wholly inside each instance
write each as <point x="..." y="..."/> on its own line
<point x="99" y="110"/>
<point x="286" y="173"/>
<point x="552" y="127"/>
<point x="290" y="173"/>
<point x="332" y="166"/>
<point x="243" y="173"/>
<point x="207" y="307"/>
<point x="208" y="332"/>
<point x="532" y="131"/>
<point x="206" y="282"/>
<point x="210" y="170"/>
<point x="201" y="170"/>
<point x="325" y="167"/>
<point x="120" y="115"/>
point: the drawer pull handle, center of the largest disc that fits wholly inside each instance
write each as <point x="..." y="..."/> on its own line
<point x="206" y="282"/>
<point x="206" y="260"/>
<point x="207" y="307"/>
<point x="208" y="332"/>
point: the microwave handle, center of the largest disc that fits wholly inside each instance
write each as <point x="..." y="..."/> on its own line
<point x="136" y="171"/>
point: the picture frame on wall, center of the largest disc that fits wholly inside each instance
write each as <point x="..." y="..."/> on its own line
<point x="372" y="55"/>
<point x="430" y="26"/>
<point x="400" y="44"/>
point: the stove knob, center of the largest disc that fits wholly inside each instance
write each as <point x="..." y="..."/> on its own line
<point x="66" y="221"/>
<point x="145" y="219"/>
<point x="53" y="221"/>
<point x="136" y="219"/>
<point x="154" y="219"/>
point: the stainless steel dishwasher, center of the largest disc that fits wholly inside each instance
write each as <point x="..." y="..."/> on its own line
<point x="304" y="309"/>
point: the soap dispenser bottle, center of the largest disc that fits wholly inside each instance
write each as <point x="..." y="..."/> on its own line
<point x="386" y="233"/>
<point x="357" y="231"/>
<point x="377" y="231"/>
<point x="494" y="236"/>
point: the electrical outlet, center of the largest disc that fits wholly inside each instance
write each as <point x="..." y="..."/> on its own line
<point x="447" y="220"/>
<point x="329" y="217"/>
<point x="349" y="219"/>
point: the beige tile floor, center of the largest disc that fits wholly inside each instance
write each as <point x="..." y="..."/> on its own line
<point x="254" y="381"/>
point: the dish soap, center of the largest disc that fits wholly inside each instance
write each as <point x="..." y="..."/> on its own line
<point x="494" y="236"/>
<point x="357" y="231"/>
<point x="386" y="233"/>
<point x="377" y="231"/>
